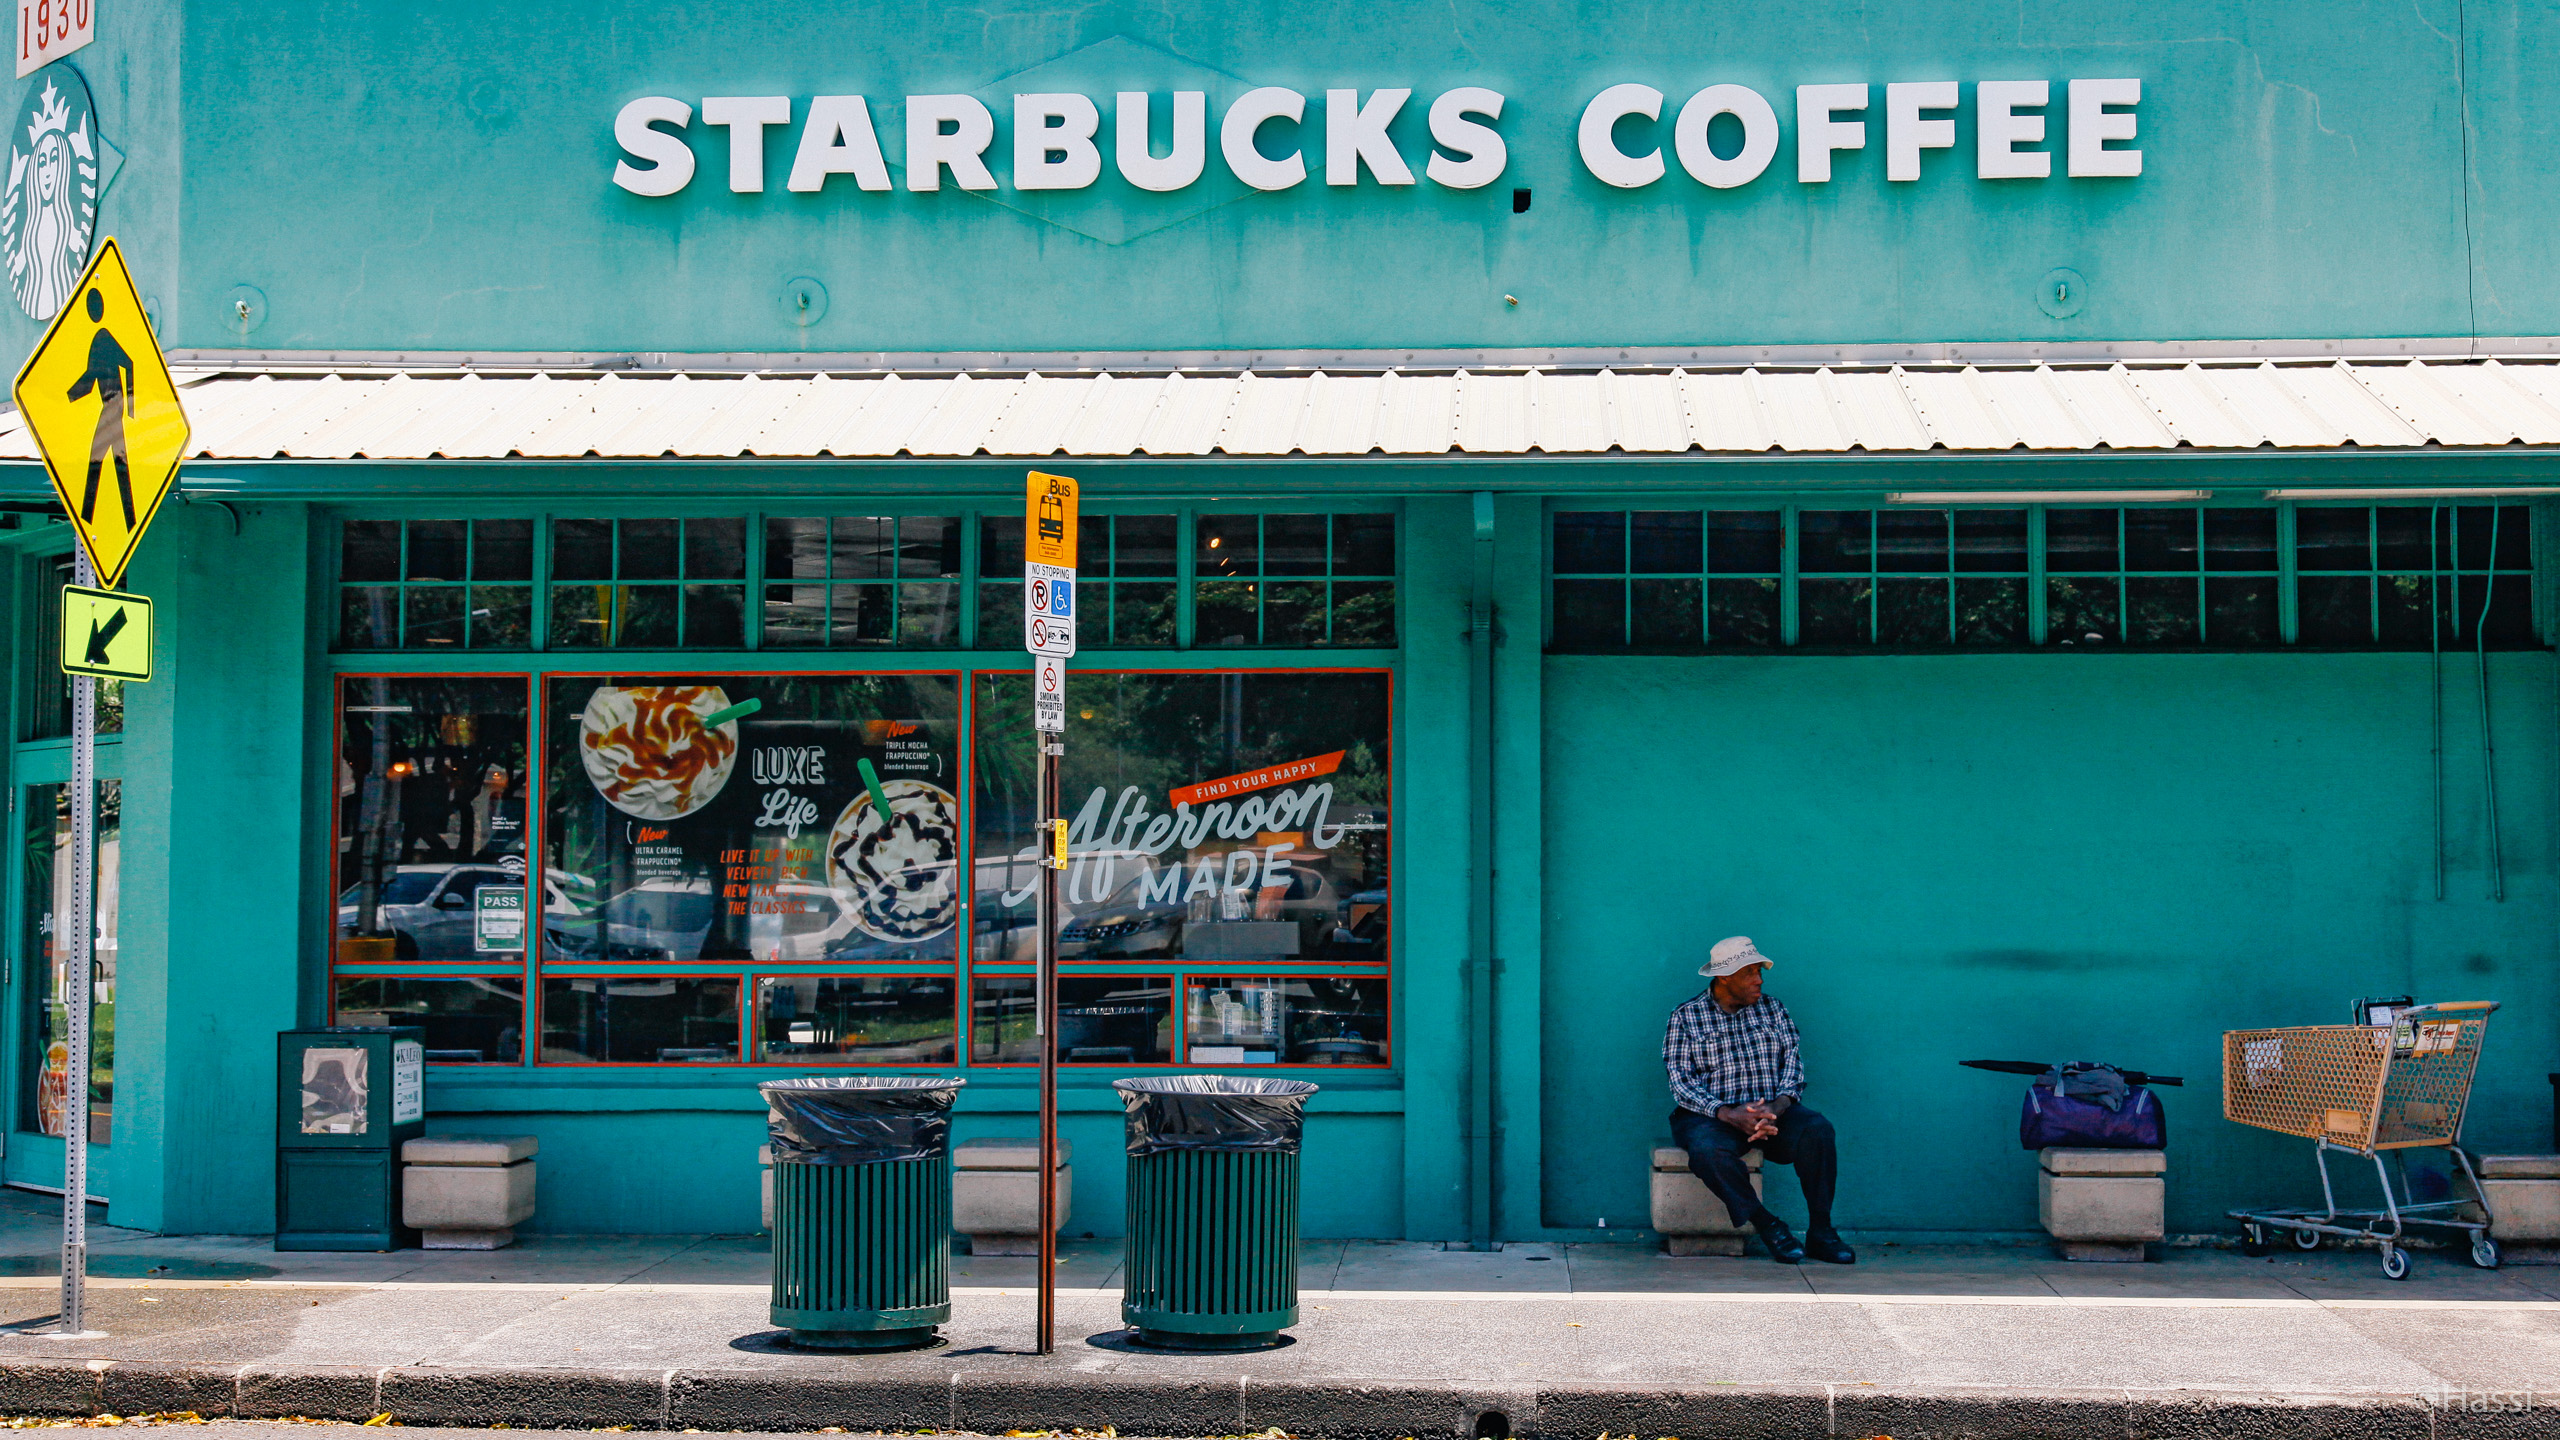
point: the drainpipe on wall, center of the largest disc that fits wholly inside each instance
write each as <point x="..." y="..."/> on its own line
<point x="1480" y="960"/>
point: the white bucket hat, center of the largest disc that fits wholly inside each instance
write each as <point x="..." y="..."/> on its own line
<point x="1732" y="954"/>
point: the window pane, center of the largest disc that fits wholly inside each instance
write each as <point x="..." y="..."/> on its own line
<point x="1362" y="545"/>
<point x="1143" y="545"/>
<point x="1832" y="541"/>
<point x="469" y="1020"/>
<point x="577" y="616"/>
<point x="2081" y="612"/>
<point x="1832" y="612"/>
<point x="862" y="547"/>
<point x="2334" y="609"/>
<point x="644" y="616"/>
<point x="929" y="615"/>
<point x="1143" y="614"/>
<point x="864" y="615"/>
<point x="2240" y="539"/>
<point x="1911" y="612"/>
<point x="1293" y="613"/>
<point x="369" y="550"/>
<point x="1228" y="546"/>
<point x="2509" y="602"/>
<point x="2241" y="611"/>
<point x="1666" y="612"/>
<point x="1293" y="544"/>
<point x="1000" y="546"/>
<point x="1667" y="542"/>
<point x="1991" y="612"/>
<point x="2404" y="531"/>
<point x="501" y="549"/>
<point x="2330" y="538"/>
<point x="1002" y="1015"/>
<point x="1271" y="789"/>
<point x="501" y="617"/>
<point x="1093" y="548"/>
<point x="862" y="1019"/>
<point x="715" y="549"/>
<point x="1102" y="1020"/>
<point x="431" y="796"/>
<point x="2159" y="540"/>
<point x="928" y="546"/>
<point x="1991" y="540"/>
<point x="368" y="617"/>
<point x="795" y="616"/>
<point x="639" y="1020"/>
<point x="1225" y="613"/>
<point x="648" y="550"/>
<point x="1909" y="540"/>
<point x="795" y="548"/>
<point x="1591" y="614"/>
<point x="1000" y="615"/>
<point x="2080" y="540"/>
<point x="2513" y="531"/>
<point x="715" y="616"/>
<point x="2160" y="611"/>
<point x="1742" y="613"/>
<point x="1744" y="542"/>
<point x="2404" y="601"/>
<point x="581" y="550"/>
<point x="433" y="616"/>
<point x="1591" y="542"/>
<point x="1291" y="1020"/>
<point x="1364" y="612"/>
<point x="436" y="550"/>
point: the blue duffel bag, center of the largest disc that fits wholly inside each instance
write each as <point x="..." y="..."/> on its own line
<point x="2091" y="1107"/>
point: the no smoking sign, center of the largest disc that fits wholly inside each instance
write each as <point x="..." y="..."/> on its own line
<point x="1049" y="694"/>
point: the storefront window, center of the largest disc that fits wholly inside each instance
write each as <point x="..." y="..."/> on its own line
<point x="862" y="580"/>
<point x="857" y="1019"/>
<point x="763" y="819"/>
<point x="49" y="916"/>
<point x="431" y="784"/>
<point x="430" y="584"/>
<point x="469" y="1019"/>
<point x="1295" y="580"/>
<point x="1285" y="1020"/>
<point x="640" y="1020"/>
<point x="2369" y="575"/>
<point x="1237" y="817"/>
<point x="648" y="584"/>
<point x="1102" y="1020"/>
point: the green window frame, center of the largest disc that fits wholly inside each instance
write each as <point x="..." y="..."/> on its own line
<point x="648" y="583"/>
<point x="861" y="581"/>
<point x="1294" y="579"/>
<point x="2371" y="576"/>
<point x="428" y="584"/>
<point x="1669" y="579"/>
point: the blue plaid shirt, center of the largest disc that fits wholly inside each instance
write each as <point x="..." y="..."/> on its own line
<point x="1718" y="1057"/>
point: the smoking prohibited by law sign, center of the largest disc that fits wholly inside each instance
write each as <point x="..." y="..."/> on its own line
<point x="1049" y="695"/>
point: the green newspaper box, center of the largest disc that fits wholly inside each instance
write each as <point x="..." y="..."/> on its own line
<point x="347" y="1098"/>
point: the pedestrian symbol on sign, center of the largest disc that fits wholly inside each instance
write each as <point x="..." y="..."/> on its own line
<point x="110" y="373"/>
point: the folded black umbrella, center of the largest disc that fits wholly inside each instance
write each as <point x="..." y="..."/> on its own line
<point x="2038" y="1067"/>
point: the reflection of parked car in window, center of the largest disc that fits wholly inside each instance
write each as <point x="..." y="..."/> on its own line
<point x="661" y="920"/>
<point x="427" y="909"/>
<point x="1148" y="916"/>
<point x="804" y="920"/>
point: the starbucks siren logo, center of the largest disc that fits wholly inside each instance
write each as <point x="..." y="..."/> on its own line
<point x="51" y="211"/>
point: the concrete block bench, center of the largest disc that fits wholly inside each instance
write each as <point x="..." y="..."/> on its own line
<point x="2524" y="1200"/>
<point x="2102" y="1204"/>
<point x="1687" y="1215"/>
<point x="467" y="1192"/>
<point x="995" y="1193"/>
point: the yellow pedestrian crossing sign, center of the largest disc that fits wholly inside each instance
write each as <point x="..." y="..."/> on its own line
<point x="104" y="411"/>
<point x="106" y="633"/>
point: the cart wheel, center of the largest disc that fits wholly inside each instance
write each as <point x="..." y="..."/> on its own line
<point x="2484" y="1253"/>
<point x="2253" y="1241"/>
<point x="2395" y="1263"/>
<point x="2306" y="1239"/>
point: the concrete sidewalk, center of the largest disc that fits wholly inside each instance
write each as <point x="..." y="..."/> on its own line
<point x="1397" y="1340"/>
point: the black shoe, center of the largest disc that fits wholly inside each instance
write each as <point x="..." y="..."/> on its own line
<point x="1826" y="1246"/>
<point x="1783" y="1245"/>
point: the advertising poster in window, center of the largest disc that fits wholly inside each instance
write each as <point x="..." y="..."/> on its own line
<point x="767" y="818"/>
<point x="1239" y="819"/>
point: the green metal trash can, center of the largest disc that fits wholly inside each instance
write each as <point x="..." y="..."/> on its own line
<point x="1213" y="1209"/>
<point x="861" y="1209"/>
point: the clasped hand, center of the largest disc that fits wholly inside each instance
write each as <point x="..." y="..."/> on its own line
<point x="1756" y="1120"/>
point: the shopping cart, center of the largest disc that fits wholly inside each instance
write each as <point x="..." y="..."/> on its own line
<point x="2362" y="1090"/>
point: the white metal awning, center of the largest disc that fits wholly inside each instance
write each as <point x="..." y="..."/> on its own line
<point x="422" y="414"/>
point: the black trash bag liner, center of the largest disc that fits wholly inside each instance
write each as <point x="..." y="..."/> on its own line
<point x="860" y="1119"/>
<point x="1214" y="1112"/>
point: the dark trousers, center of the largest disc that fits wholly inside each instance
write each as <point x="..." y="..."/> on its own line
<point x="1804" y="1140"/>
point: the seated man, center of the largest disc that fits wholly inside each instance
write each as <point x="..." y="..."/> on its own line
<point x="1739" y="1083"/>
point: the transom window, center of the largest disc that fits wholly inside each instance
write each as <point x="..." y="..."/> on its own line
<point x="435" y="584"/>
<point x="2372" y="575"/>
<point x="1294" y="580"/>
<point x="857" y="580"/>
<point x="639" y="584"/>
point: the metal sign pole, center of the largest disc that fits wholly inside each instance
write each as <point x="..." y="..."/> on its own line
<point x="1052" y="749"/>
<point x="75" y="938"/>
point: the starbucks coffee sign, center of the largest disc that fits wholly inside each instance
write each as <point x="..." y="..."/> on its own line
<point x="1277" y="139"/>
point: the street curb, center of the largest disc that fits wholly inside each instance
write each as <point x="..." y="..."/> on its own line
<point x="834" y="1392"/>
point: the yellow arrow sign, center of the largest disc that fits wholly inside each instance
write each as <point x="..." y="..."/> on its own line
<point x="99" y="400"/>
<point x="106" y="633"/>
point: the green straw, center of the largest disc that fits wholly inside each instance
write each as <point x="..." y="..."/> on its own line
<point x="738" y="711"/>
<point x="879" y="797"/>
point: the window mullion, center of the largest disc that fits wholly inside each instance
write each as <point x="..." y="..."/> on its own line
<point x="2038" y="622"/>
<point x="1787" y="547"/>
<point x="1186" y="574"/>
<point x="2288" y="574"/>
<point x="538" y="624"/>
<point x="751" y="624"/>
<point x="970" y="520"/>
